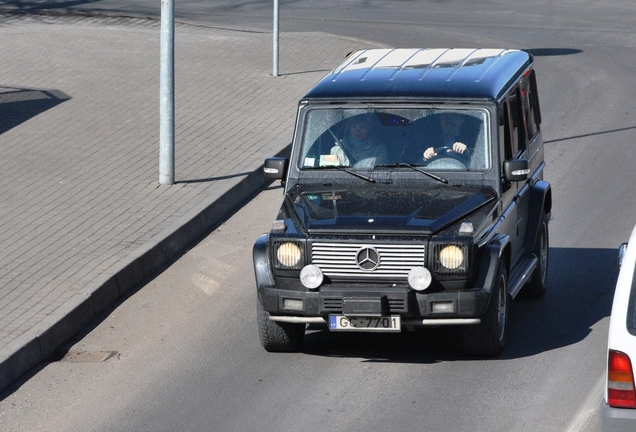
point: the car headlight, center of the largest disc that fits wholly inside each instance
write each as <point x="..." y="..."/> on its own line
<point x="450" y="259"/>
<point x="289" y="256"/>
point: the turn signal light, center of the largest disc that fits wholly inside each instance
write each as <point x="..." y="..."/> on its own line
<point x="620" y="381"/>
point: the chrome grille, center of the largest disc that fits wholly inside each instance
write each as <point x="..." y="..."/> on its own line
<point x="339" y="259"/>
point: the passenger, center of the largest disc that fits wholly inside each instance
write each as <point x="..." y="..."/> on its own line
<point x="358" y="146"/>
<point x="451" y="134"/>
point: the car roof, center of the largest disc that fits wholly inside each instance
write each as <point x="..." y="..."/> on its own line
<point x="423" y="73"/>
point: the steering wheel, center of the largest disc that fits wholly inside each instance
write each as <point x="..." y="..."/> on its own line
<point x="452" y="157"/>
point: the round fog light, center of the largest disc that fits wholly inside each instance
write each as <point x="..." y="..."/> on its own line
<point x="419" y="278"/>
<point x="311" y="276"/>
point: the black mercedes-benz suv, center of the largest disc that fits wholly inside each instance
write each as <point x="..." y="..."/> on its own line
<point x="413" y="197"/>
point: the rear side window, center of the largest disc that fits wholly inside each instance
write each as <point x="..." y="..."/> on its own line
<point x="530" y="102"/>
<point x="631" y="308"/>
<point x="517" y="124"/>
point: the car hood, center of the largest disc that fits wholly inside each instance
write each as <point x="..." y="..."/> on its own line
<point x="386" y="208"/>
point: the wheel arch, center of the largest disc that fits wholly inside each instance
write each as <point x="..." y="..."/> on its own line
<point x="496" y="253"/>
<point x="540" y="207"/>
<point x="260" y="255"/>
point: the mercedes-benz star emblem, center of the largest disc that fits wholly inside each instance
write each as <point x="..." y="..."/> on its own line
<point x="367" y="259"/>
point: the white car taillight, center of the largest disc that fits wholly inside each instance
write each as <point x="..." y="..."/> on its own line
<point x="620" y="381"/>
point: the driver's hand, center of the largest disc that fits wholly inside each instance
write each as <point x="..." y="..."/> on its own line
<point x="429" y="153"/>
<point x="459" y="147"/>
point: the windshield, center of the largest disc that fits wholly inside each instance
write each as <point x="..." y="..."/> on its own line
<point x="438" y="139"/>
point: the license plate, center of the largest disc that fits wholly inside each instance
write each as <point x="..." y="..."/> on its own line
<point x="374" y="324"/>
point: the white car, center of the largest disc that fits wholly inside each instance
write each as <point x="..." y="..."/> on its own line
<point x="618" y="411"/>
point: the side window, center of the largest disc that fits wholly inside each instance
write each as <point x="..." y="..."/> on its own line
<point x="505" y="137"/>
<point x="517" y="126"/>
<point x="504" y="131"/>
<point x="530" y="104"/>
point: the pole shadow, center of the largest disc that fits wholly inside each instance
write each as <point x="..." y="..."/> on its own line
<point x="17" y="105"/>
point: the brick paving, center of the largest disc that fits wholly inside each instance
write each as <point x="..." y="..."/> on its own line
<point x="83" y="217"/>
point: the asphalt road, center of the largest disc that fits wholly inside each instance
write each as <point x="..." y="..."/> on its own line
<point x="187" y="353"/>
<point x="183" y="354"/>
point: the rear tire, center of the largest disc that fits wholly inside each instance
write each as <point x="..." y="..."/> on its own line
<point x="537" y="286"/>
<point x="278" y="337"/>
<point x="488" y="338"/>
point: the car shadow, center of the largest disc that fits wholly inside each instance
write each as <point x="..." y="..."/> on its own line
<point x="581" y="286"/>
<point x="18" y="105"/>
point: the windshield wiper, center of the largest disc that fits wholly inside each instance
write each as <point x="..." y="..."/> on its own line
<point x="415" y="168"/>
<point x="355" y="174"/>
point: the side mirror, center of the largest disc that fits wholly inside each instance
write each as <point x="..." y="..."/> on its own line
<point x="516" y="170"/>
<point x="276" y="168"/>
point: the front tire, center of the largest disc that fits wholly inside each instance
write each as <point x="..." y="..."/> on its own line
<point x="488" y="338"/>
<point x="278" y="337"/>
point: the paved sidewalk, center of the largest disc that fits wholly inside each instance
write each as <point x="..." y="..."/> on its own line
<point x="83" y="218"/>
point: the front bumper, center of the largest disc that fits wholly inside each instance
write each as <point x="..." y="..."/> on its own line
<point x="415" y="308"/>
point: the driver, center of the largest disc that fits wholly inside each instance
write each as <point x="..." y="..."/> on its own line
<point x="452" y="135"/>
